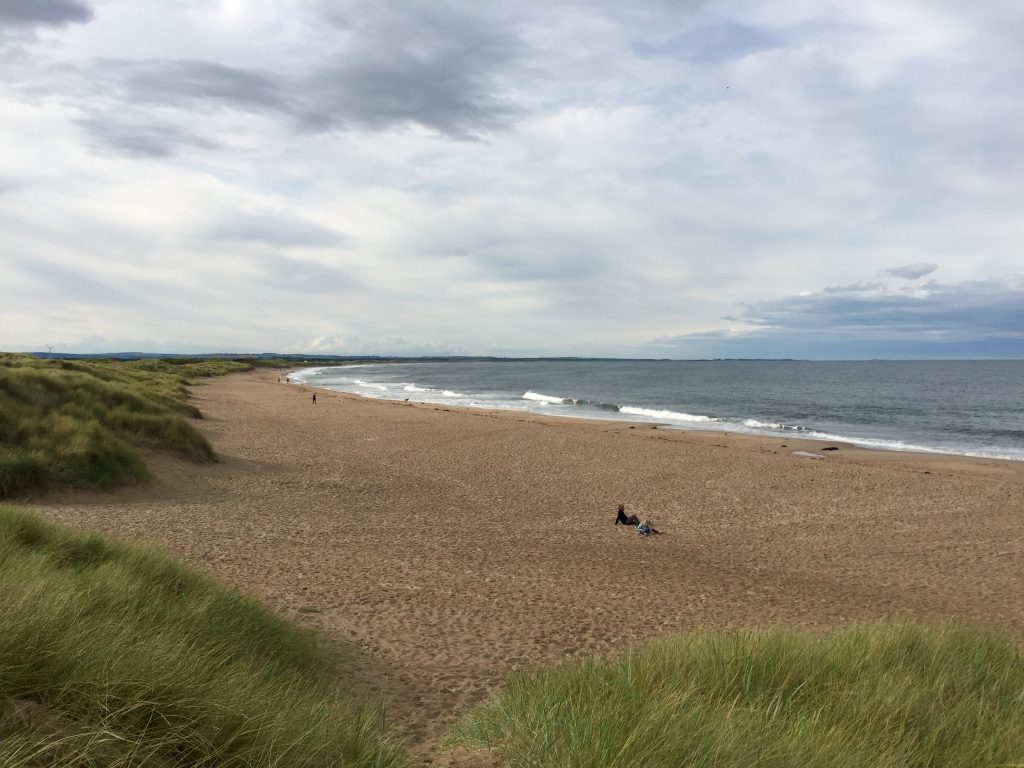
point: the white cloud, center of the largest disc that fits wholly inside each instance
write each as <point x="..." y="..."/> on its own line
<point x="572" y="178"/>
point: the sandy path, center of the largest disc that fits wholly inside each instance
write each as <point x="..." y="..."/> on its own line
<point x="453" y="546"/>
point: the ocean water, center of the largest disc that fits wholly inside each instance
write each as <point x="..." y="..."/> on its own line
<point x="973" y="408"/>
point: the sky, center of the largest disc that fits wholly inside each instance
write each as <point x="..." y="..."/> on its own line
<point x="660" y="178"/>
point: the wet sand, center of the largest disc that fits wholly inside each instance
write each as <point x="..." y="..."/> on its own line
<point x="452" y="546"/>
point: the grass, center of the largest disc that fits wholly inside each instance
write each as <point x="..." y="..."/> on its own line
<point x="78" y="423"/>
<point x="116" y="656"/>
<point x="882" y="695"/>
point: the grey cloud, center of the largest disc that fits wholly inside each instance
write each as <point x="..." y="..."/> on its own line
<point x="43" y="13"/>
<point x="442" y="92"/>
<point x="711" y="43"/>
<point x="140" y="136"/>
<point x="911" y="271"/>
<point x="65" y="285"/>
<point x="148" y="108"/>
<point x="434" y="65"/>
<point x="278" y="231"/>
<point x="854" y="288"/>
<point x="59" y="280"/>
<point x="440" y="80"/>
<point x="965" y="310"/>
<point x="188" y="83"/>
<point x="971" y="319"/>
<point x="305" y="277"/>
<point x="390" y="67"/>
<point x="552" y="262"/>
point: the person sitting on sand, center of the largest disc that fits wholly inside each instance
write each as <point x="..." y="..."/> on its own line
<point x="646" y="527"/>
<point x="620" y="517"/>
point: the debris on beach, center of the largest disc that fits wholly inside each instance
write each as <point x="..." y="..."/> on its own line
<point x="807" y="454"/>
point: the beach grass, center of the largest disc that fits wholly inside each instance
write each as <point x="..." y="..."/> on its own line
<point x="115" y="655"/>
<point x="78" y="423"/>
<point x="877" y="695"/>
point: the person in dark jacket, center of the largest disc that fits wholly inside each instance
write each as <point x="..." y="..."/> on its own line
<point x="623" y="519"/>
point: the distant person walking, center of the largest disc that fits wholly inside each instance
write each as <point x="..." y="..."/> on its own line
<point x="314" y="398"/>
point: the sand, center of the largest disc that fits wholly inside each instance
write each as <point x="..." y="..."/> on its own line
<point x="453" y="546"/>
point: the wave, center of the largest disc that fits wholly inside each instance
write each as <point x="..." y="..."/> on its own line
<point x="546" y="399"/>
<point x="773" y="425"/>
<point x="369" y="385"/>
<point x="763" y="424"/>
<point x="666" y="415"/>
<point x="414" y="388"/>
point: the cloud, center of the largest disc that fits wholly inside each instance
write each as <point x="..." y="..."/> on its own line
<point x="436" y="65"/>
<point x="713" y="42"/>
<point x="911" y="271"/>
<point x="861" y="287"/>
<point x="158" y="108"/>
<point x="277" y="273"/>
<point x="190" y="83"/>
<point x="379" y="346"/>
<point x="44" y="13"/>
<point x="276" y="230"/>
<point x="385" y="68"/>
<point x="965" y="311"/>
<point x="564" y="177"/>
<point x="973" y="318"/>
<point x="60" y="280"/>
<point x="138" y="135"/>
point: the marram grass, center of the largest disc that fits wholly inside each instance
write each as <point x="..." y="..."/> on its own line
<point x="875" y="696"/>
<point x="78" y="423"/>
<point x="115" y="656"/>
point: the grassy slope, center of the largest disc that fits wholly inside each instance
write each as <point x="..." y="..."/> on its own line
<point x="884" y="696"/>
<point x="75" y="423"/>
<point x="114" y="655"/>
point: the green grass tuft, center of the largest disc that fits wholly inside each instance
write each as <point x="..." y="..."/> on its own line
<point x="878" y="696"/>
<point x="114" y="655"/>
<point x="78" y="422"/>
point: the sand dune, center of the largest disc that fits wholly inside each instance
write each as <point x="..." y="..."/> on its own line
<point x="453" y="546"/>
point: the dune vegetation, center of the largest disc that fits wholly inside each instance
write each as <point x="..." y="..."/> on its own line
<point x="115" y="655"/>
<point x="79" y="423"/>
<point x="878" y="696"/>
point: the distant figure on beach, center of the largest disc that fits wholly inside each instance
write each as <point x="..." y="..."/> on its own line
<point x="621" y="518"/>
<point x="314" y="398"/>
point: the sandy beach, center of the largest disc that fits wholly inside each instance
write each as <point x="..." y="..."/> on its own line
<point x="452" y="546"/>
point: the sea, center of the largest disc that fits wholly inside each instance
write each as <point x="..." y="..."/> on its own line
<point x="964" y="407"/>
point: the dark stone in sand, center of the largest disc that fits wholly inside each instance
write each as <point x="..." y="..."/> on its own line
<point x="830" y="448"/>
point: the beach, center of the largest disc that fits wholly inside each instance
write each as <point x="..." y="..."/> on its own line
<point x="452" y="546"/>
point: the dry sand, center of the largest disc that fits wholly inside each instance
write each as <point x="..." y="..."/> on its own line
<point x="452" y="546"/>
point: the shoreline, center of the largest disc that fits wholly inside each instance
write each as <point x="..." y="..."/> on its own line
<point x="452" y="546"/>
<point x="865" y="443"/>
<point x="818" y="447"/>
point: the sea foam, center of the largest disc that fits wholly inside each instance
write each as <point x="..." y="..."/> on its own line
<point x="653" y="413"/>
<point x="539" y="398"/>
